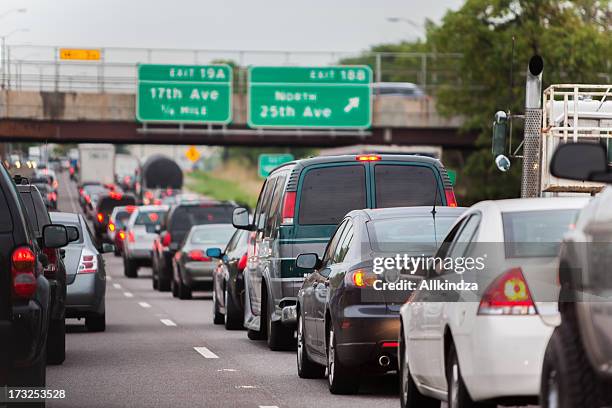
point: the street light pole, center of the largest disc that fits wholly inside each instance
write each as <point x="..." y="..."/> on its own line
<point x="5" y="60"/>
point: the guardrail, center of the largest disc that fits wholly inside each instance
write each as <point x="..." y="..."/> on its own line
<point x="30" y="67"/>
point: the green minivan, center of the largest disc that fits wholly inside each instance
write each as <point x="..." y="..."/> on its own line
<point x="298" y="209"/>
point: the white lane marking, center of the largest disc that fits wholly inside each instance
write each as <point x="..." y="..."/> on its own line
<point x="144" y="304"/>
<point x="116" y="286"/>
<point x="228" y="370"/>
<point x="68" y="187"/>
<point x="205" y="352"/>
<point x="167" y="322"/>
<point x="268" y="406"/>
<point x="128" y="294"/>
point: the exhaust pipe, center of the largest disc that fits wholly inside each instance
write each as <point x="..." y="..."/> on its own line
<point x="384" y="361"/>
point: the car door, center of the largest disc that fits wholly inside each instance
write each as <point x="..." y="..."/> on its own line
<point x="312" y="281"/>
<point x="272" y="260"/>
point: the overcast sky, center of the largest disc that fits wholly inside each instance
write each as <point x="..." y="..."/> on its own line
<point x="338" y="25"/>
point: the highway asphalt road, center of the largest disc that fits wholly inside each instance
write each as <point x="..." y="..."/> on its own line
<point x="158" y="351"/>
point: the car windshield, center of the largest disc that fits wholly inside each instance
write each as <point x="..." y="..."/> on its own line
<point x="535" y="233"/>
<point x="212" y="234"/>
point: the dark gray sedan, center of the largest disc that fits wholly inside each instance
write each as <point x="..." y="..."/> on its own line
<point x="192" y="269"/>
<point x="85" y="274"/>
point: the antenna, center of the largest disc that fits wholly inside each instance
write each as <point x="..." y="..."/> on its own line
<point x="433" y="213"/>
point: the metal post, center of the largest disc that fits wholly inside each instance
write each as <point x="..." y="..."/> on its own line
<point x="8" y="67"/>
<point x="101" y="70"/>
<point x="530" y="186"/>
<point x="56" y="58"/>
<point x="378" y="68"/>
<point x="424" y="72"/>
<point x="3" y="59"/>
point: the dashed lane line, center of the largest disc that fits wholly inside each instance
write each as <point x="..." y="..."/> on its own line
<point x="167" y="322"/>
<point x="205" y="352"/>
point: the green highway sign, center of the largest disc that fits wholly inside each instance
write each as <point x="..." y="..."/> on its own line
<point x="184" y="93"/>
<point x="268" y="162"/>
<point x="310" y="97"/>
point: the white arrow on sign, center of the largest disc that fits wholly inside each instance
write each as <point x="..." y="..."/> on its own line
<point x="352" y="103"/>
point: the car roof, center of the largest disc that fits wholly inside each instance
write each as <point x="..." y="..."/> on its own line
<point x="205" y="226"/>
<point x="402" y="212"/>
<point x="152" y="208"/>
<point x="64" y="217"/>
<point x="535" y="204"/>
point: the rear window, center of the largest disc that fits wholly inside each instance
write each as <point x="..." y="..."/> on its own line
<point x="535" y="233"/>
<point x="149" y="218"/>
<point x="121" y="219"/>
<point x="408" y="234"/>
<point x="214" y="234"/>
<point x="185" y="217"/>
<point x="329" y="193"/>
<point x="107" y="204"/>
<point x="405" y="186"/>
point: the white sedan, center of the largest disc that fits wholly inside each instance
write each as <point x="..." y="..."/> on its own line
<point x="478" y="347"/>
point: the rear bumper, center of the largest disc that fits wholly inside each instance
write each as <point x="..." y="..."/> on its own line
<point x="360" y="339"/>
<point x="197" y="273"/>
<point x="85" y="295"/>
<point x="26" y="332"/>
<point x="139" y="254"/>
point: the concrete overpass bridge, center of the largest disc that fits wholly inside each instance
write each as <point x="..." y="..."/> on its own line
<point x="53" y="100"/>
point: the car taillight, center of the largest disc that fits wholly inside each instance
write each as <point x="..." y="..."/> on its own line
<point x="288" y="207"/>
<point x="111" y="227"/>
<point x="166" y="239"/>
<point x="367" y="157"/>
<point x="198" y="256"/>
<point x="55" y="184"/>
<point x="451" y="201"/>
<point x="88" y="263"/>
<point x="51" y="268"/>
<point x="360" y="278"/>
<point x="122" y="235"/>
<point x="508" y="294"/>
<point x="242" y="262"/>
<point x="52" y="196"/>
<point x="389" y="344"/>
<point x="130" y="209"/>
<point x="100" y="217"/>
<point x="131" y="237"/>
<point x="88" y="199"/>
<point x="23" y="264"/>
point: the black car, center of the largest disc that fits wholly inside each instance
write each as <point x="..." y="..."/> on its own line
<point x="103" y="208"/>
<point x="174" y="229"/>
<point x="54" y="271"/>
<point x="228" y="281"/>
<point x="24" y="290"/>
<point x="346" y="323"/>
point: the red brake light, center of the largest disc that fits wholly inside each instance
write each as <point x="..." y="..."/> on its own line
<point x="88" y="199"/>
<point x="508" y="294"/>
<point x="131" y="237"/>
<point x="367" y="157"/>
<point x="130" y="209"/>
<point x="115" y="196"/>
<point x="88" y="264"/>
<point x="100" y="217"/>
<point x="166" y="239"/>
<point x="198" y="256"/>
<point x="389" y="344"/>
<point x="23" y="263"/>
<point x="451" y="201"/>
<point x="289" y="207"/>
<point x="52" y="257"/>
<point x="242" y="262"/>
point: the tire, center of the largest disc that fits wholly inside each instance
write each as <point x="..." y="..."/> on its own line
<point x="280" y="337"/>
<point x="96" y="322"/>
<point x="56" y="342"/>
<point x="305" y="367"/>
<point x="218" y="318"/>
<point x="163" y="285"/>
<point x="32" y="376"/>
<point x="130" y="268"/>
<point x="155" y="282"/>
<point x="568" y="380"/>
<point x="340" y="379"/>
<point x="184" y="291"/>
<point x="174" y="288"/>
<point x="233" y="315"/>
<point x="410" y="397"/>
<point x="458" y="395"/>
<point x="254" y="335"/>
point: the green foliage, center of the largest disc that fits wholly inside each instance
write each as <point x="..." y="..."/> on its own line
<point x="208" y="185"/>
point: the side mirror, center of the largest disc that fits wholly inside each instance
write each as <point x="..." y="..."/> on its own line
<point x="54" y="236"/>
<point x="73" y="233"/>
<point x="240" y="219"/>
<point x="581" y="161"/>
<point x="214" y="253"/>
<point x="307" y="261"/>
<point x="500" y="132"/>
<point x="106" y="248"/>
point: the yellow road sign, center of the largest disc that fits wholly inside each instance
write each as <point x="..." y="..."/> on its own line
<point x="80" y="54"/>
<point x="192" y="154"/>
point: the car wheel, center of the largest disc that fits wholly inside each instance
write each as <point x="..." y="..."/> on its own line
<point x="305" y="367"/>
<point x="233" y="315"/>
<point x="184" y="291"/>
<point x="96" y="322"/>
<point x="410" y="397"/>
<point x="280" y="337"/>
<point x="568" y="380"/>
<point x="458" y="396"/>
<point x="174" y="288"/>
<point x="339" y="379"/>
<point x="155" y="282"/>
<point x="56" y="342"/>
<point x="217" y="316"/>
<point x="130" y="269"/>
<point x="163" y="285"/>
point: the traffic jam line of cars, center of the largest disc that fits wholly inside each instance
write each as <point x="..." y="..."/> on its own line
<point x="300" y="272"/>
